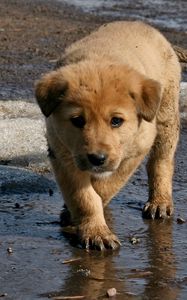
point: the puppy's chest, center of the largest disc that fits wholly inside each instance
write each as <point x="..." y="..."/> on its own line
<point x="145" y="137"/>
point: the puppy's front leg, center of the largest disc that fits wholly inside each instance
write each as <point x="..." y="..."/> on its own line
<point x="108" y="187"/>
<point x="86" y="209"/>
<point x="160" y="171"/>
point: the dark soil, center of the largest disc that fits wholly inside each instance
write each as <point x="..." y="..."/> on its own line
<point x="33" y="34"/>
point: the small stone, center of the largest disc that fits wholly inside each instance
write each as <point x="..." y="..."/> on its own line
<point x="134" y="240"/>
<point x="17" y="205"/>
<point x="181" y="220"/>
<point x="9" y="250"/>
<point x="111" y="292"/>
<point x="3" y="295"/>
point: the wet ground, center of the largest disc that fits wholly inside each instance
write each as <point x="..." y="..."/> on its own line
<point x="37" y="261"/>
<point x="38" y="267"/>
<point x="158" y="12"/>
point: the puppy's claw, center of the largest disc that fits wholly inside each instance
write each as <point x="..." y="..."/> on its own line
<point x="117" y="244"/>
<point x="99" y="244"/>
<point x="169" y="210"/>
<point x="87" y="244"/>
<point x="153" y="213"/>
<point x="114" y="245"/>
<point x="154" y="210"/>
<point x="101" y="247"/>
<point x="104" y="239"/>
<point x="153" y="216"/>
<point x="162" y="211"/>
<point x="146" y="207"/>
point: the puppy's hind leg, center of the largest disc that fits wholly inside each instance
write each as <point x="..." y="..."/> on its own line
<point x="161" y="161"/>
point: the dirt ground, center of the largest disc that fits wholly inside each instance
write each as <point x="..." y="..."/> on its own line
<point x="33" y="34"/>
<point x="37" y="261"/>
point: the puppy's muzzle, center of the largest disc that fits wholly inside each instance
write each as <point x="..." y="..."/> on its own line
<point x="97" y="159"/>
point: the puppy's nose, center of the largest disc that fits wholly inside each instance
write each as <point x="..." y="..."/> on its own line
<point x="97" y="159"/>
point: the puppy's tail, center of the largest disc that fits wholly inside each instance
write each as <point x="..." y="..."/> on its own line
<point x="181" y="54"/>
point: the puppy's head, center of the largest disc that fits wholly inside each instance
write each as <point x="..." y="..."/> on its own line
<point x="96" y="110"/>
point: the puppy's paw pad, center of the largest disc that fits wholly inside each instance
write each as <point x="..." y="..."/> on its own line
<point x="156" y="210"/>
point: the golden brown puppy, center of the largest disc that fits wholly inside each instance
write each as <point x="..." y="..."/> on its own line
<point x="113" y="100"/>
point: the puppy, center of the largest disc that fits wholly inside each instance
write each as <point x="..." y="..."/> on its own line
<point x="113" y="100"/>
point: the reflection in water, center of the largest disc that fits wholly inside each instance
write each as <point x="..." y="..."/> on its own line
<point x="161" y="285"/>
<point x="92" y="276"/>
<point x="96" y="272"/>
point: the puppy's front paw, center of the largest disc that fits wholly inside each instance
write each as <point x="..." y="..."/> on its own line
<point x="157" y="209"/>
<point x="98" y="237"/>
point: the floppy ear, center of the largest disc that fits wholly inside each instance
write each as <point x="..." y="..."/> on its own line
<point x="50" y="91"/>
<point x="148" y="101"/>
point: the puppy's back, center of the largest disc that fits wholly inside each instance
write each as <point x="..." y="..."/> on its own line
<point x="133" y="43"/>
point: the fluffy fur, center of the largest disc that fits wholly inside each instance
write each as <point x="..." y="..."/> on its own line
<point x="113" y="100"/>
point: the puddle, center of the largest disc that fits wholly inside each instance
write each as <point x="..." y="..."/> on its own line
<point x="38" y="267"/>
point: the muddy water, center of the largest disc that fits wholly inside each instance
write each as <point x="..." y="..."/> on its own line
<point x="154" y="268"/>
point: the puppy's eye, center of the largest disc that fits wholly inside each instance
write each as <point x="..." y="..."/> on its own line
<point x="116" y="122"/>
<point x="78" y="121"/>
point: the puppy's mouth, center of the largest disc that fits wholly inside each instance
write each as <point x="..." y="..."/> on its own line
<point x="104" y="170"/>
<point x="101" y="174"/>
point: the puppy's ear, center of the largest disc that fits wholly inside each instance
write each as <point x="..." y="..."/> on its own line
<point x="50" y="91"/>
<point x="148" y="101"/>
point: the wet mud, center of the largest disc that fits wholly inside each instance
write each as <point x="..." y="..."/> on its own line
<point x="45" y="263"/>
<point x="39" y="261"/>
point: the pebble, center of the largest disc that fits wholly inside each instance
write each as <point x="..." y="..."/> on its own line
<point x="133" y="240"/>
<point x="111" y="292"/>
<point x="9" y="250"/>
<point x="181" y="220"/>
<point x="3" y="295"/>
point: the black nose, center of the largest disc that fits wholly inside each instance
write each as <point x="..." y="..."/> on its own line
<point x="97" y="159"/>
